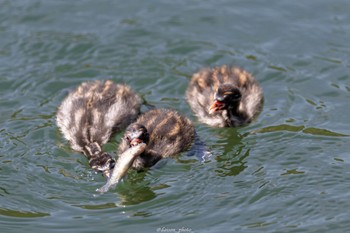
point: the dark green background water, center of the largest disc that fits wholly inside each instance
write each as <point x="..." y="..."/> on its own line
<point x="287" y="172"/>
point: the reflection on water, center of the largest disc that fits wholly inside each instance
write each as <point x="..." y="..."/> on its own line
<point x="22" y="214"/>
<point x="232" y="165"/>
<point x="303" y="129"/>
<point x="135" y="194"/>
<point x="292" y="172"/>
<point x="98" y="207"/>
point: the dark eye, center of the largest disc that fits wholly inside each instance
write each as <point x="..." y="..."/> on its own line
<point x="236" y="96"/>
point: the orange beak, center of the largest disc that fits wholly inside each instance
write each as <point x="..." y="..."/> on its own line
<point x="216" y="106"/>
<point x="135" y="142"/>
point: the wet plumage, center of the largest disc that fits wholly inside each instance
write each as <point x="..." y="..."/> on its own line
<point x="224" y="96"/>
<point x="90" y="114"/>
<point x="165" y="132"/>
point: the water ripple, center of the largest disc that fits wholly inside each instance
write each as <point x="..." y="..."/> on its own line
<point x="303" y="129"/>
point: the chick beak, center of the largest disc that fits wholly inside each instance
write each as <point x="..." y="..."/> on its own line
<point x="133" y="138"/>
<point x="135" y="142"/>
<point x="216" y="106"/>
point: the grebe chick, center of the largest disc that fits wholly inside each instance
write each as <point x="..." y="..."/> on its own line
<point x="90" y="114"/>
<point x="165" y="132"/>
<point x="224" y="96"/>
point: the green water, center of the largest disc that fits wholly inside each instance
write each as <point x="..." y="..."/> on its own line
<point x="287" y="172"/>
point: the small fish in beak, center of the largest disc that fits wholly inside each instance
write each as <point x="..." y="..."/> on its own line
<point x="122" y="166"/>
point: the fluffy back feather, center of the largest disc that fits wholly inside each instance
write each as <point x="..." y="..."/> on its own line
<point x="94" y="110"/>
<point x="169" y="134"/>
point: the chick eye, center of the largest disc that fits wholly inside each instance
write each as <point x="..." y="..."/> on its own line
<point x="236" y="96"/>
